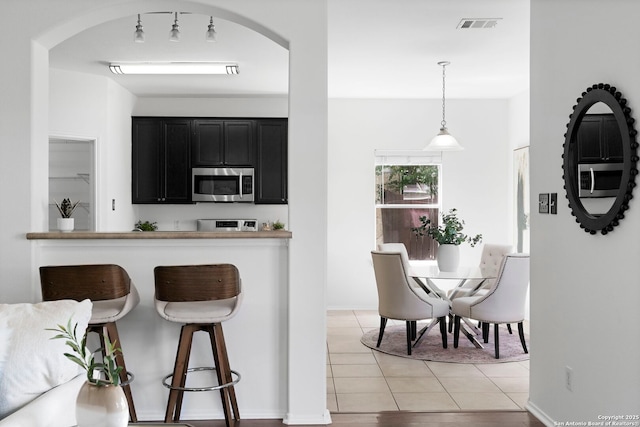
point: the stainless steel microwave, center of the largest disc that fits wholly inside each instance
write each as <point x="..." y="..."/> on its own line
<point x="222" y="184"/>
<point x="599" y="179"/>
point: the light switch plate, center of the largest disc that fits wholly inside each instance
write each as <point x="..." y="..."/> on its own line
<point x="553" y="203"/>
<point x="543" y="203"/>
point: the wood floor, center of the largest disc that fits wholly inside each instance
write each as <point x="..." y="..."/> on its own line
<point x="405" y="419"/>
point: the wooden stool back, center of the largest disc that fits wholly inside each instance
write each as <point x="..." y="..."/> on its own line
<point x="185" y="283"/>
<point x="96" y="282"/>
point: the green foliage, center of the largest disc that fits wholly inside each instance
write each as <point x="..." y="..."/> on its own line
<point x="449" y="232"/>
<point x="66" y="208"/>
<point x="278" y="225"/>
<point x="398" y="177"/>
<point x="146" y="225"/>
<point x="85" y="359"/>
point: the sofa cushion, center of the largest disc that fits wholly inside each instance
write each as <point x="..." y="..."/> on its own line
<point x="31" y="363"/>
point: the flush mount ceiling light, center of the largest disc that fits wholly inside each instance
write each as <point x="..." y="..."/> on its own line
<point x="211" y="32"/>
<point x="138" y="36"/>
<point x="443" y="141"/>
<point x="174" y="68"/>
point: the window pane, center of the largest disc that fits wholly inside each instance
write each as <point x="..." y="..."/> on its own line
<point x="407" y="184"/>
<point x="393" y="225"/>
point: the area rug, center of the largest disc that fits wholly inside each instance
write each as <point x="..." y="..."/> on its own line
<point x="430" y="346"/>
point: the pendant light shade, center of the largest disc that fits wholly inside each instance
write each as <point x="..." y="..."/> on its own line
<point x="443" y="141"/>
<point x="138" y="36"/>
<point x="211" y="32"/>
<point x="174" y="34"/>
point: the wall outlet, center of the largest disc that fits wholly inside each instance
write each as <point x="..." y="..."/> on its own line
<point x="568" y="378"/>
<point x="176" y="225"/>
<point x="543" y="203"/>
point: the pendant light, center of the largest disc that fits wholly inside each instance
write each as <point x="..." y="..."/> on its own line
<point x="174" y="34"/>
<point x="138" y="36"/>
<point x="443" y="141"/>
<point x="211" y="32"/>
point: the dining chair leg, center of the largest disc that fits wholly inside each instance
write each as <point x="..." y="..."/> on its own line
<point x="409" y="332"/>
<point x="496" y="333"/>
<point x="456" y="330"/>
<point x="450" y="323"/>
<point x="521" y="333"/>
<point x="485" y="332"/>
<point x="383" y="324"/>
<point x="414" y="330"/>
<point x="509" y="328"/>
<point x="443" y="330"/>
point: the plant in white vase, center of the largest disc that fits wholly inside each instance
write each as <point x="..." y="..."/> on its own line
<point x="66" y="208"/>
<point x="101" y="397"/>
<point x="449" y="236"/>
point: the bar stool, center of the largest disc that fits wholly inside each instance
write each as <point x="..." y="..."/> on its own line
<point x="201" y="297"/>
<point x="113" y="296"/>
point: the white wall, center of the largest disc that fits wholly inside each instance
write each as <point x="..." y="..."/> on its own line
<point x="584" y="288"/>
<point x="476" y="181"/>
<point x="302" y="26"/>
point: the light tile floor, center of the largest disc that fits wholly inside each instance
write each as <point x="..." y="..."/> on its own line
<point x="363" y="380"/>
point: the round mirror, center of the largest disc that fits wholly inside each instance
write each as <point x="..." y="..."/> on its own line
<point x="599" y="159"/>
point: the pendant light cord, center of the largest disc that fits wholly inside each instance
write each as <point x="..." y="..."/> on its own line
<point x="444" y="122"/>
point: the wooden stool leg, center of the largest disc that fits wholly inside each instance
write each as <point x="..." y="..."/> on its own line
<point x="223" y="371"/>
<point x="112" y="332"/>
<point x="179" y="373"/>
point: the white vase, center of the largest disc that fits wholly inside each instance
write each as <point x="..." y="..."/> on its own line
<point x="101" y="406"/>
<point x="448" y="257"/>
<point x="65" y="224"/>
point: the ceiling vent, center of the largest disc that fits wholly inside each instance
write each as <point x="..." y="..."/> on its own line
<point x="467" y="23"/>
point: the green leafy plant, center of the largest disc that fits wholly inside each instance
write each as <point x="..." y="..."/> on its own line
<point x="449" y="232"/>
<point x="278" y="225"/>
<point x="146" y="226"/>
<point x="66" y="208"/>
<point x="100" y="374"/>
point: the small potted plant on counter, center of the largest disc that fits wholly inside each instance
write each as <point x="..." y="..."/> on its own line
<point x="66" y="208"/>
<point x="449" y="236"/>
<point x="145" y="226"/>
<point x="278" y="225"/>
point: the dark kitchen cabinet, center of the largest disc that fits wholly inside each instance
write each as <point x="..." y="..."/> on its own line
<point x="271" y="161"/>
<point x="161" y="171"/>
<point x="599" y="139"/>
<point x="222" y="143"/>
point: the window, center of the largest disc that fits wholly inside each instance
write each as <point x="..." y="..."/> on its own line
<point x="407" y="187"/>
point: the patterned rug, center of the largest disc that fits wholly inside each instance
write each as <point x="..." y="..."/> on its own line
<point x="430" y="346"/>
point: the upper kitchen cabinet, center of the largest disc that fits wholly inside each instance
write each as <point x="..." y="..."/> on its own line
<point x="160" y="160"/>
<point x="599" y="139"/>
<point x="271" y="164"/>
<point x="222" y="142"/>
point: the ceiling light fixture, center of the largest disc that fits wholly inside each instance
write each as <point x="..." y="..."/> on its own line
<point x="174" y="34"/>
<point x="211" y="32"/>
<point x="174" y="68"/>
<point x="443" y="141"/>
<point x="138" y="36"/>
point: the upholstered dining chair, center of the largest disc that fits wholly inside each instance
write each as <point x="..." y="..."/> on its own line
<point x="400" y="247"/>
<point x="398" y="300"/>
<point x="490" y="261"/>
<point x="503" y="303"/>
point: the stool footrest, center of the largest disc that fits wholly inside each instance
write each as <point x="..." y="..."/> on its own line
<point x="204" y="368"/>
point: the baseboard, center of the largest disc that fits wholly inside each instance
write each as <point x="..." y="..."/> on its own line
<point x="290" y="419"/>
<point x="540" y="415"/>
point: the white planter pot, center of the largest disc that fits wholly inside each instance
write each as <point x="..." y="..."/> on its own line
<point x="65" y="224"/>
<point x="101" y="406"/>
<point x="448" y="257"/>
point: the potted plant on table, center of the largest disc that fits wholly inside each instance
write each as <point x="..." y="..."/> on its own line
<point x="449" y="236"/>
<point x="66" y="208"/>
<point x="101" y="400"/>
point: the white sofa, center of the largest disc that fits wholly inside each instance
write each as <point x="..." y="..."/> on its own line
<point x="38" y="384"/>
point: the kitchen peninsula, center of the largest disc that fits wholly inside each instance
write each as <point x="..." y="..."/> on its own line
<point x="257" y="338"/>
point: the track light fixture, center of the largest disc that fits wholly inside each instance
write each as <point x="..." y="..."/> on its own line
<point x="211" y="32"/>
<point x="138" y="36"/>
<point x="174" y="34"/>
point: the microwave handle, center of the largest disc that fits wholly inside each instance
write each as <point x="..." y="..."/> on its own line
<point x="240" y="185"/>
<point x="593" y="180"/>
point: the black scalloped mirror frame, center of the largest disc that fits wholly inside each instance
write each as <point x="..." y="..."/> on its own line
<point x="608" y="95"/>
